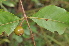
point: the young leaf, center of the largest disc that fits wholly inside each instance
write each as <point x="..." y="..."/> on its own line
<point x="57" y="18"/>
<point x="6" y="18"/>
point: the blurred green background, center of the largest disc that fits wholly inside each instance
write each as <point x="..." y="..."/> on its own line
<point x="42" y="36"/>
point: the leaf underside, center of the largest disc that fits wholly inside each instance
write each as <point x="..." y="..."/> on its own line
<point x="6" y="17"/>
<point x="55" y="13"/>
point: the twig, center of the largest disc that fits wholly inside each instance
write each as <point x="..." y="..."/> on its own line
<point x="31" y="33"/>
<point x="21" y="22"/>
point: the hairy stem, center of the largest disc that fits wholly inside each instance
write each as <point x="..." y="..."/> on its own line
<point x="25" y="17"/>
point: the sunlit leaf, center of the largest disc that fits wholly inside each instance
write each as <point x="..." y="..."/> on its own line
<point x="58" y="18"/>
<point x="6" y="17"/>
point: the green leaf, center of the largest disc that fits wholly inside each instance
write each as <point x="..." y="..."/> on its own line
<point x="2" y="0"/>
<point x="6" y="17"/>
<point x="7" y="3"/>
<point x="17" y="38"/>
<point x="54" y="13"/>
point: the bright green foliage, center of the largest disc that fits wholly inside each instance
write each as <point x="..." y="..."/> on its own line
<point x="8" y="3"/>
<point x="54" y="13"/>
<point x="2" y="0"/>
<point x="18" y="38"/>
<point x="6" y="17"/>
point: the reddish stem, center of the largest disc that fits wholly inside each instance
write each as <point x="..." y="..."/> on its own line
<point x="31" y="33"/>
